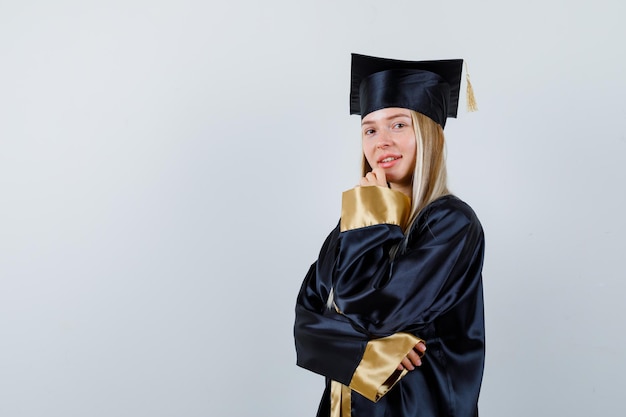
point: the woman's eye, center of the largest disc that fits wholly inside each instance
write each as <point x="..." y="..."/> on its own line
<point x="399" y="125"/>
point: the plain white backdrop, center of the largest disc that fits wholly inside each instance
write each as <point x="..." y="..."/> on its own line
<point x="169" y="170"/>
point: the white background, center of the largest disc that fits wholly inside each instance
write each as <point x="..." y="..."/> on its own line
<point x="169" y="170"/>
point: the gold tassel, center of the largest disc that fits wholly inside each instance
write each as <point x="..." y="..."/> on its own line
<point x="471" y="100"/>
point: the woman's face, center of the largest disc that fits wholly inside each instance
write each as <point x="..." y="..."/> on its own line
<point x="389" y="143"/>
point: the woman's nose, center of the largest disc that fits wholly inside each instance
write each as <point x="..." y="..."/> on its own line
<point x="383" y="141"/>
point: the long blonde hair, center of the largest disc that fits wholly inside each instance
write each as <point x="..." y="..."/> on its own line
<point x="430" y="178"/>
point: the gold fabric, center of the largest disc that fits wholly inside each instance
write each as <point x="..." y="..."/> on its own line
<point x="376" y="374"/>
<point x="335" y="399"/>
<point x="367" y="206"/>
<point x="340" y="400"/>
<point x="346" y="401"/>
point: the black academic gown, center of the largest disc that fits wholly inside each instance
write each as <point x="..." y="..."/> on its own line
<point x="431" y="290"/>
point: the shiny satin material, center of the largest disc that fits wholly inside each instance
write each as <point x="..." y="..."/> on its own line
<point x="361" y="206"/>
<point x="346" y="401"/>
<point x="428" y="87"/>
<point x="340" y="400"/>
<point x="422" y="91"/>
<point x="432" y="290"/>
<point x="377" y="373"/>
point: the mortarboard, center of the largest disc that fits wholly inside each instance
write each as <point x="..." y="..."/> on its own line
<point x="428" y="87"/>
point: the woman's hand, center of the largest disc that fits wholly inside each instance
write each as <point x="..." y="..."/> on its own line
<point x="414" y="358"/>
<point x="375" y="177"/>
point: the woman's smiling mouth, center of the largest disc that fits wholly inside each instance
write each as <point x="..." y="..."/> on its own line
<point x="388" y="161"/>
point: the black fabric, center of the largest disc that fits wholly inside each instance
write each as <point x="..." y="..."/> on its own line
<point x="428" y="87"/>
<point x="433" y="289"/>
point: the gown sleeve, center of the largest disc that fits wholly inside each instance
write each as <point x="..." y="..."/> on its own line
<point x="381" y="305"/>
<point x="329" y="344"/>
<point x="439" y="268"/>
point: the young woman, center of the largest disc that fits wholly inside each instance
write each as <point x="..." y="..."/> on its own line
<point x="391" y="313"/>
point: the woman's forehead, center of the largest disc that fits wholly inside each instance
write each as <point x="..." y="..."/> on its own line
<point x="386" y="114"/>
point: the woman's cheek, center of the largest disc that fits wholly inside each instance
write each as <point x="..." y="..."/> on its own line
<point x="368" y="152"/>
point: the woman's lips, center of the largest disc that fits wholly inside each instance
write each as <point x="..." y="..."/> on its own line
<point x="388" y="161"/>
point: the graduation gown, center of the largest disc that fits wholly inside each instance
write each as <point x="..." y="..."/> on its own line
<point x="382" y="306"/>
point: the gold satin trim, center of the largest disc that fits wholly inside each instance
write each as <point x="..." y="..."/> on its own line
<point x="340" y="400"/>
<point x="346" y="401"/>
<point x="377" y="373"/>
<point x="367" y="206"/>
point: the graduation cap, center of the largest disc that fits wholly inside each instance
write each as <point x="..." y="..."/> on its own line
<point x="428" y="87"/>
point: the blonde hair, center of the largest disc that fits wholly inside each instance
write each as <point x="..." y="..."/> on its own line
<point x="430" y="178"/>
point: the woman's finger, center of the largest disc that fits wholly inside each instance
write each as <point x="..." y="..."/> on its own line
<point x="381" y="177"/>
<point x="420" y="348"/>
<point x="368" y="179"/>
<point x="414" y="358"/>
